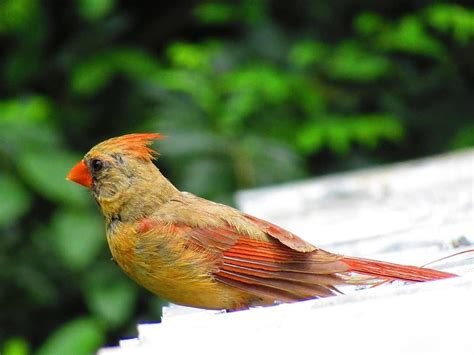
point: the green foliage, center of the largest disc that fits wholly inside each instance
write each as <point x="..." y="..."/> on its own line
<point x="368" y="23"/>
<point x="306" y="53"/>
<point x="94" y="10"/>
<point x="26" y="125"/>
<point x="16" y="346"/>
<point x="46" y="170"/>
<point x="15" y="200"/>
<point x="215" y="13"/>
<point x="29" y="110"/>
<point x="451" y="18"/>
<point x="76" y="237"/>
<point x="15" y="15"/>
<point x="248" y="93"/>
<point x="464" y="138"/>
<point x="93" y="73"/>
<point x="409" y="35"/>
<point x="352" y="63"/>
<point x="109" y="296"/>
<point x="78" y="336"/>
<point x="340" y="132"/>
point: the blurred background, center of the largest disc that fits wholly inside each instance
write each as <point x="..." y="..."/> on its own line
<point x="249" y="93"/>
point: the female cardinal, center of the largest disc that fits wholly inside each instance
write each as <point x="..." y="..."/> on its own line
<point x="199" y="253"/>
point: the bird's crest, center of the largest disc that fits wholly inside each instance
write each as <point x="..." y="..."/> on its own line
<point x="135" y="144"/>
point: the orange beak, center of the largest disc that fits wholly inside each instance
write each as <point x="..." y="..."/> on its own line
<point x="80" y="174"/>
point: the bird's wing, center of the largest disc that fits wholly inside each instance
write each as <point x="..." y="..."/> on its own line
<point x="287" y="238"/>
<point x="268" y="268"/>
<point x="273" y="270"/>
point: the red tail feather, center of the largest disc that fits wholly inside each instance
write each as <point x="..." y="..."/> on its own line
<point x="382" y="269"/>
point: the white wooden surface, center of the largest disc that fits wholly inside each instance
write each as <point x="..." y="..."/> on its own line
<point x="411" y="213"/>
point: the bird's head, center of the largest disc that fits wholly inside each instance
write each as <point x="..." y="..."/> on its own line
<point x="112" y="167"/>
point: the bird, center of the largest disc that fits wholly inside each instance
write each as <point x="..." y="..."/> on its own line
<point x="199" y="253"/>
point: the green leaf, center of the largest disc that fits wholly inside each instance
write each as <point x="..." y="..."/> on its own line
<point x="339" y="132"/>
<point x="16" y="346"/>
<point x="255" y="12"/>
<point x="110" y="295"/>
<point x="15" y="200"/>
<point x="190" y="56"/>
<point x="94" y="72"/>
<point x="182" y="80"/>
<point x="269" y="83"/>
<point x="78" y="336"/>
<point x="26" y="125"/>
<point x="409" y="35"/>
<point x="351" y="62"/>
<point x="133" y="62"/>
<point x="338" y="138"/>
<point x="215" y="13"/>
<point x="309" y="95"/>
<point x="27" y="110"/>
<point x="464" y="138"/>
<point x="310" y="138"/>
<point x="77" y="237"/>
<point x="46" y="172"/>
<point x="90" y="76"/>
<point x="249" y="91"/>
<point x="94" y="10"/>
<point x="22" y="66"/>
<point x="306" y="53"/>
<point x="452" y="18"/>
<point x="368" y="130"/>
<point x="237" y="108"/>
<point x="191" y="82"/>
<point x="368" y="23"/>
<point x="16" y="14"/>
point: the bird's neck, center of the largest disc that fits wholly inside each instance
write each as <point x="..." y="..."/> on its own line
<point x="147" y="192"/>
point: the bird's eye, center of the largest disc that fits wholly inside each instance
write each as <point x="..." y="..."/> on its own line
<point x="97" y="165"/>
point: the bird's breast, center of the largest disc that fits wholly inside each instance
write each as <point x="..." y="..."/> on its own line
<point x="164" y="264"/>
